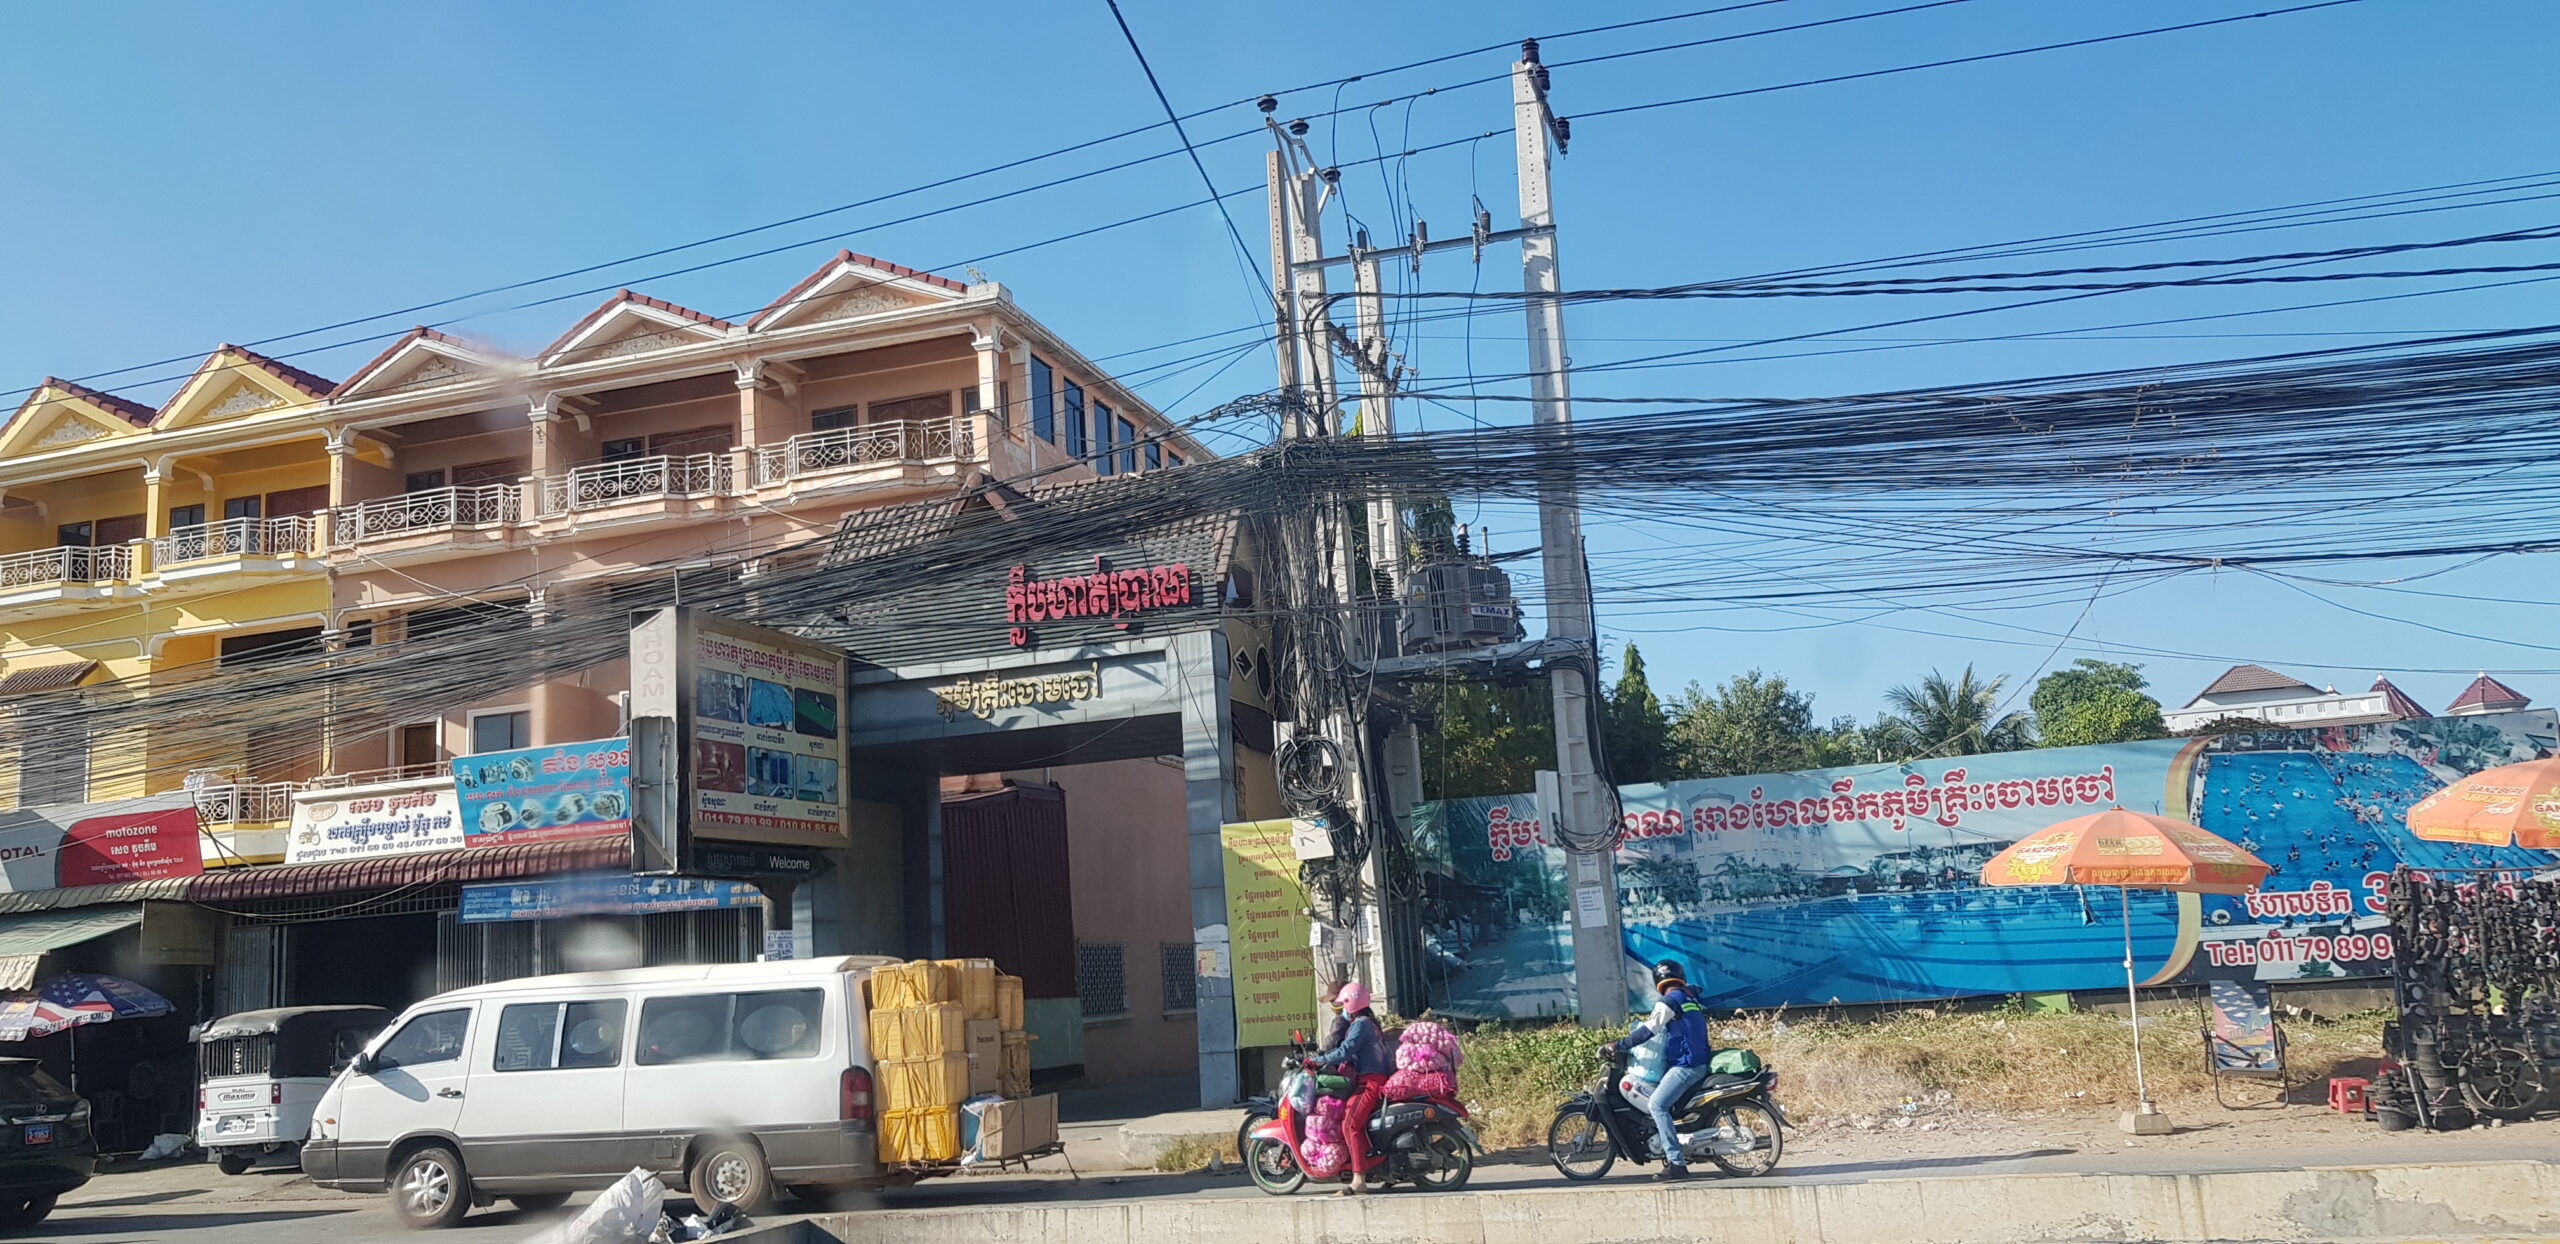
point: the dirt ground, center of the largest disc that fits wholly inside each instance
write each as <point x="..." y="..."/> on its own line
<point x="2293" y="1135"/>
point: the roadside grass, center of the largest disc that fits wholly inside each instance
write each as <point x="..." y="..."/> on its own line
<point x="1190" y="1153"/>
<point x="1838" y="1070"/>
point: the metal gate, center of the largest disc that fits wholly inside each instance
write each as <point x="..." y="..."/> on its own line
<point x="254" y="968"/>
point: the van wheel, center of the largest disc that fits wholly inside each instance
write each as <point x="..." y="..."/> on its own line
<point x="430" y="1189"/>
<point x="235" y="1163"/>
<point x="731" y="1172"/>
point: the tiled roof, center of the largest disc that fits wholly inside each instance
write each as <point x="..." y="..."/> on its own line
<point x="792" y="295"/>
<point x="287" y="372"/>
<point x="2485" y="691"/>
<point x="421" y="332"/>
<point x="533" y="859"/>
<point x="2253" y="678"/>
<point x="131" y="412"/>
<point x="44" y="678"/>
<point x="2398" y="700"/>
<point x="620" y="297"/>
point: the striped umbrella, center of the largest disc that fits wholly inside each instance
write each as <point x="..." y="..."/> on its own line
<point x="66" y="1002"/>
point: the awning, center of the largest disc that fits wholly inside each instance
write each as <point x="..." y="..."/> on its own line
<point x="532" y="859"/>
<point x="24" y="939"/>
<point x="93" y="895"/>
<point x="44" y="678"/>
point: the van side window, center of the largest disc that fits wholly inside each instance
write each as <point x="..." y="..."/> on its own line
<point x="547" y="1036"/>
<point x="435" y="1037"/>
<point x="730" y="1026"/>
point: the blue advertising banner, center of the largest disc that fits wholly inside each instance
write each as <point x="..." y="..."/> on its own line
<point x="540" y="794"/>
<point x="553" y="898"/>
<point x="1862" y="884"/>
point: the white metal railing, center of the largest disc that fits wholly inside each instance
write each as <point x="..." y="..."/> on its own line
<point x="602" y="484"/>
<point x="234" y="537"/>
<point x="372" y="777"/>
<point x="77" y="563"/>
<point x="436" y="510"/>
<point x="229" y="803"/>
<point x="902" y="440"/>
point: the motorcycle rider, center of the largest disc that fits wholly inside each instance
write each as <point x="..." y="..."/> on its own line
<point x="1681" y="1023"/>
<point x="1364" y="1054"/>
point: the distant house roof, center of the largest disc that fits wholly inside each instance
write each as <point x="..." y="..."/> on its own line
<point x="131" y="412"/>
<point x="44" y="678"/>
<point x="2487" y="692"/>
<point x="620" y="298"/>
<point x="2398" y="701"/>
<point x="2241" y="678"/>
<point x="308" y="382"/>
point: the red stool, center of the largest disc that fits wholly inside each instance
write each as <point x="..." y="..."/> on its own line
<point x="2347" y="1094"/>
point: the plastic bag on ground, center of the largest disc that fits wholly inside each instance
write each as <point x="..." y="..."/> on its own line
<point x="626" y="1213"/>
<point x="164" y="1147"/>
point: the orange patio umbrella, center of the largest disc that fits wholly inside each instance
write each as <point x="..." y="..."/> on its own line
<point x="2510" y="805"/>
<point x="2130" y="851"/>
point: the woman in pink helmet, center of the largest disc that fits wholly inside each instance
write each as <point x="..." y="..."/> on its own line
<point x="1363" y="1055"/>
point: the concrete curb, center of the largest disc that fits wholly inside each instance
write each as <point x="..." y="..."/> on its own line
<point x="2450" y="1201"/>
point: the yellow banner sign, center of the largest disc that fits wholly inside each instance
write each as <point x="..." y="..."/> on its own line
<point x="1274" y="973"/>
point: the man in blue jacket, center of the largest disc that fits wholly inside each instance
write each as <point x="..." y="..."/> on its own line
<point x="1681" y="1023"/>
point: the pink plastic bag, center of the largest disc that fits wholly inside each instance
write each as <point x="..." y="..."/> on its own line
<point x="1422" y="1084"/>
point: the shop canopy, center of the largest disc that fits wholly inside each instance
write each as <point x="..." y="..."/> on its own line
<point x="25" y="938"/>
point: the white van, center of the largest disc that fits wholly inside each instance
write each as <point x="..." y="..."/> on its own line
<point x="725" y="1080"/>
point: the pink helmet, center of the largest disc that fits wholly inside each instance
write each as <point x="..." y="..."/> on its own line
<point x="1354" y="996"/>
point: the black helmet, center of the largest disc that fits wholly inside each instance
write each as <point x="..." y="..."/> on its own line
<point x="1667" y="971"/>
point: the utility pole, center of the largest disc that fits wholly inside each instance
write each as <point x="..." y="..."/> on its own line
<point x="1400" y="748"/>
<point x="1586" y="809"/>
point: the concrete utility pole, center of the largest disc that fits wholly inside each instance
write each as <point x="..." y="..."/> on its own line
<point x="1586" y="810"/>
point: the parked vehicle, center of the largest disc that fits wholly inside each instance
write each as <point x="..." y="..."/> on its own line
<point x="261" y="1072"/>
<point x="46" y="1145"/>
<point x="726" y="1080"/>
<point x="1423" y="1141"/>
<point x="1729" y="1120"/>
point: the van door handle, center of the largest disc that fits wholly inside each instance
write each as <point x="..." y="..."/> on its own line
<point x="448" y="1092"/>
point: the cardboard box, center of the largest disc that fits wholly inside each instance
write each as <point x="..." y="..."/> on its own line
<point x="928" y="1135"/>
<point x="974" y="985"/>
<point x="1013" y="1128"/>
<point x="918" y="1031"/>
<point x="924" y="1083"/>
<point x="1009" y="1002"/>
<point x="986" y="1074"/>
<point x="917" y="983"/>
<point x="1013" y="1066"/>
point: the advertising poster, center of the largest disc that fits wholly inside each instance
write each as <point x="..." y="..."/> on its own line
<point x="388" y="818"/>
<point x="540" y="794"/>
<point x="1274" y="971"/>
<point x="76" y="844"/>
<point x="767" y="742"/>
<point x="554" y="898"/>
<point x="1862" y="884"/>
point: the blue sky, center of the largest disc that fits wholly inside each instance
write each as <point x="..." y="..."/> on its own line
<point x="187" y="175"/>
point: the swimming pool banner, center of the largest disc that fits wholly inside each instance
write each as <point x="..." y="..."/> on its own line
<point x="542" y="794"/>
<point x="1862" y="884"/>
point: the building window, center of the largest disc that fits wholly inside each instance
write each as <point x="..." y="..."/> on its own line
<point x="422" y="481"/>
<point x="1044" y="402"/>
<point x="835" y="418"/>
<point x="417" y="749"/>
<point x="1181" y="977"/>
<point x="1103" y="459"/>
<point x="1075" y="420"/>
<point x="53" y="764"/>
<point x="1155" y="455"/>
<point x="624" y="450"/>
<point x="1172" y="459"/>
<point x="504" y="730"/>
<point x="185" y="516"/>
<point x="244" y="507"/>
<point x="1004" y="406"/>
<point x="481" y="474"/>
<point x="1102" y="979"/>
<point x="71" y="535"/>
<point x="1128" y="441"/>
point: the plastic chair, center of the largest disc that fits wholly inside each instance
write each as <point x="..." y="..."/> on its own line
<point x="2242" y="1040"/>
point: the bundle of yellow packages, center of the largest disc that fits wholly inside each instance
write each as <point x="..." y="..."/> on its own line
<point x="895" y="986"/>
<point x="1013" y="1066"/>
<point x="1009" y="1002"/>
<point x="975" y="985"/>
<point x="931" y="1134"/>
<point x="917" y="1031"/>
<point x="924" y="1083"/>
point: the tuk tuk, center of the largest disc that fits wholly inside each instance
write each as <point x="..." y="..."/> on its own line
<point x="261" y="1072"/>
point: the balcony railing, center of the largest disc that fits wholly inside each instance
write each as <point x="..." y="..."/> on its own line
<point x="439" y="510"/>
<point x="823" y="453"/>
<point x="78" y="563"/>
<point x="232" y="803"/>
<point x="234" y="537"/>
<point x="600" y="485"/>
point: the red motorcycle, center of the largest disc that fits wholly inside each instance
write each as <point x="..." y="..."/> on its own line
<point x="1421" y="1140"/>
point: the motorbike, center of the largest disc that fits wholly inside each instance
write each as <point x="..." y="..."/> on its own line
<point x="1421" y="1141"/>
<point x="1729" y="1120"/>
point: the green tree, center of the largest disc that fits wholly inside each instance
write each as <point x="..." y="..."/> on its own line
<point x="1751" y="723"/>
<point x="1955" y="717"/>
<point x="2095" y="702"/>
<point x="1634" y="731"/>
<point x="1490" y="739"/>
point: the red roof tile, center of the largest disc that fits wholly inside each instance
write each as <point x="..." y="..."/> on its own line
<point x="531" y="859"/>
<point x="792" y="295"/>
<point x="2253" y="678"/>
<point x="421" y="332"/>
<point x="287" y="372"/>
<point x="131" y="412"/>
<point x="2398" y="700"/>
<point x="2485" y="691"/>
<point x="620" y="297"/>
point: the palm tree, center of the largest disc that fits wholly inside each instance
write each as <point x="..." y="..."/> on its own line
<point x="1944" y="718"/>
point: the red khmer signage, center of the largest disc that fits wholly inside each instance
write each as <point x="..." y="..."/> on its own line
<point x="1113" y="594"/>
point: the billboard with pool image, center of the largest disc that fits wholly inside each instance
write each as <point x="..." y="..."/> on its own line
<point x="1861" y="884"/>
